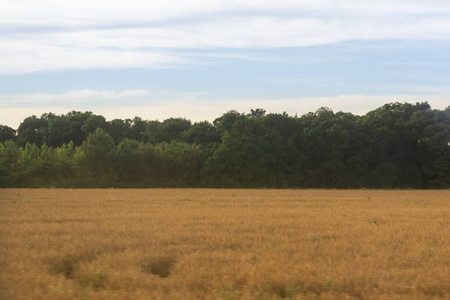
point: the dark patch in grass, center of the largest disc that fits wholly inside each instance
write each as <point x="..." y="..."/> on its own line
<point x="96" y="280"/>
<point x="282" y="290"/>
<point x="66" y="265"/>
<point x="160" y="266"/>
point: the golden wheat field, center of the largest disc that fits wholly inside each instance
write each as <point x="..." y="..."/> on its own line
<point x="224" y="244"/>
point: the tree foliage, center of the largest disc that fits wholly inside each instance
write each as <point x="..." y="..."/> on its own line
<point x="7" y="134"/>
<point x="398" y="145"/>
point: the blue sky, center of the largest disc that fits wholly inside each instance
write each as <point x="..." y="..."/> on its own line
<point x="198" y="59"/>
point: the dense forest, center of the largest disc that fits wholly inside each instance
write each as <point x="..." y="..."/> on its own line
<point x="398" y="145"/>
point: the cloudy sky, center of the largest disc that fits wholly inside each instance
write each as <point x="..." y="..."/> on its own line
<point x="200" y="58"/>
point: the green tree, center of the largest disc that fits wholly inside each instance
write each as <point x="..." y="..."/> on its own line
<point x="96" y="156"/>
<point x="177" y="164"/>
<point x="395" y="146"/>
<point x="47" y="167"/>
<point x="9" y="164"/>
<point x="227" y="120"/>
<point x="65" y="162"/>
<point x="394" y="141"/>
<point x="173" y="128"/>
<point x="284" y="137"/>
<point x="59" y="131"/>
<point x="138" y="129"/>
<point x="120" y="129"/>
<point x="129" y="163"/>
<point x="153" y="132"/>
<point x="28" y="163"/>
<point x="326" y="140"/>
<point x="76" y="121"/>
<point x="7" y="133"/>
<point x="93" y="122"/>
<point x="433" y="128"/>
<point x="33" y="130"/>
<point x="243" y="159"/>
<point x="201" y="133"/>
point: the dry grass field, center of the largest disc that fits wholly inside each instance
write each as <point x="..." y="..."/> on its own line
<point x="224" y="244"/>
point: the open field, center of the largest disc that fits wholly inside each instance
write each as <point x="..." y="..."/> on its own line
<point x="224" y="244"/>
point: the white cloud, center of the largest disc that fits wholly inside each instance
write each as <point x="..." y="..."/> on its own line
<point x="195" y="106"/>
<point x="29" y="56"/>
<point x="94" y="98"/>
<point x="88" y="12"/>
<point x="44" y="35"/>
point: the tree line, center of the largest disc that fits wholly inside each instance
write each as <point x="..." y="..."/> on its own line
<point x="398" y="145"/>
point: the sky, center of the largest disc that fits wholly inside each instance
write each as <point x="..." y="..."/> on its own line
<point x="198" y="59"/>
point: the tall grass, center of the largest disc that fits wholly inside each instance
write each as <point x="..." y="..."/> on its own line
<point x="224" y="244"/>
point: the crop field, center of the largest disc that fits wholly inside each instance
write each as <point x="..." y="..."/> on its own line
<point x="224" y="244"/>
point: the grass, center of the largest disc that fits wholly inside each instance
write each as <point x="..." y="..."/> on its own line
<point x="224" y="244"/>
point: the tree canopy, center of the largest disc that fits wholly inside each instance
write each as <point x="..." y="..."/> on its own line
<point x="398" y="145"/>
